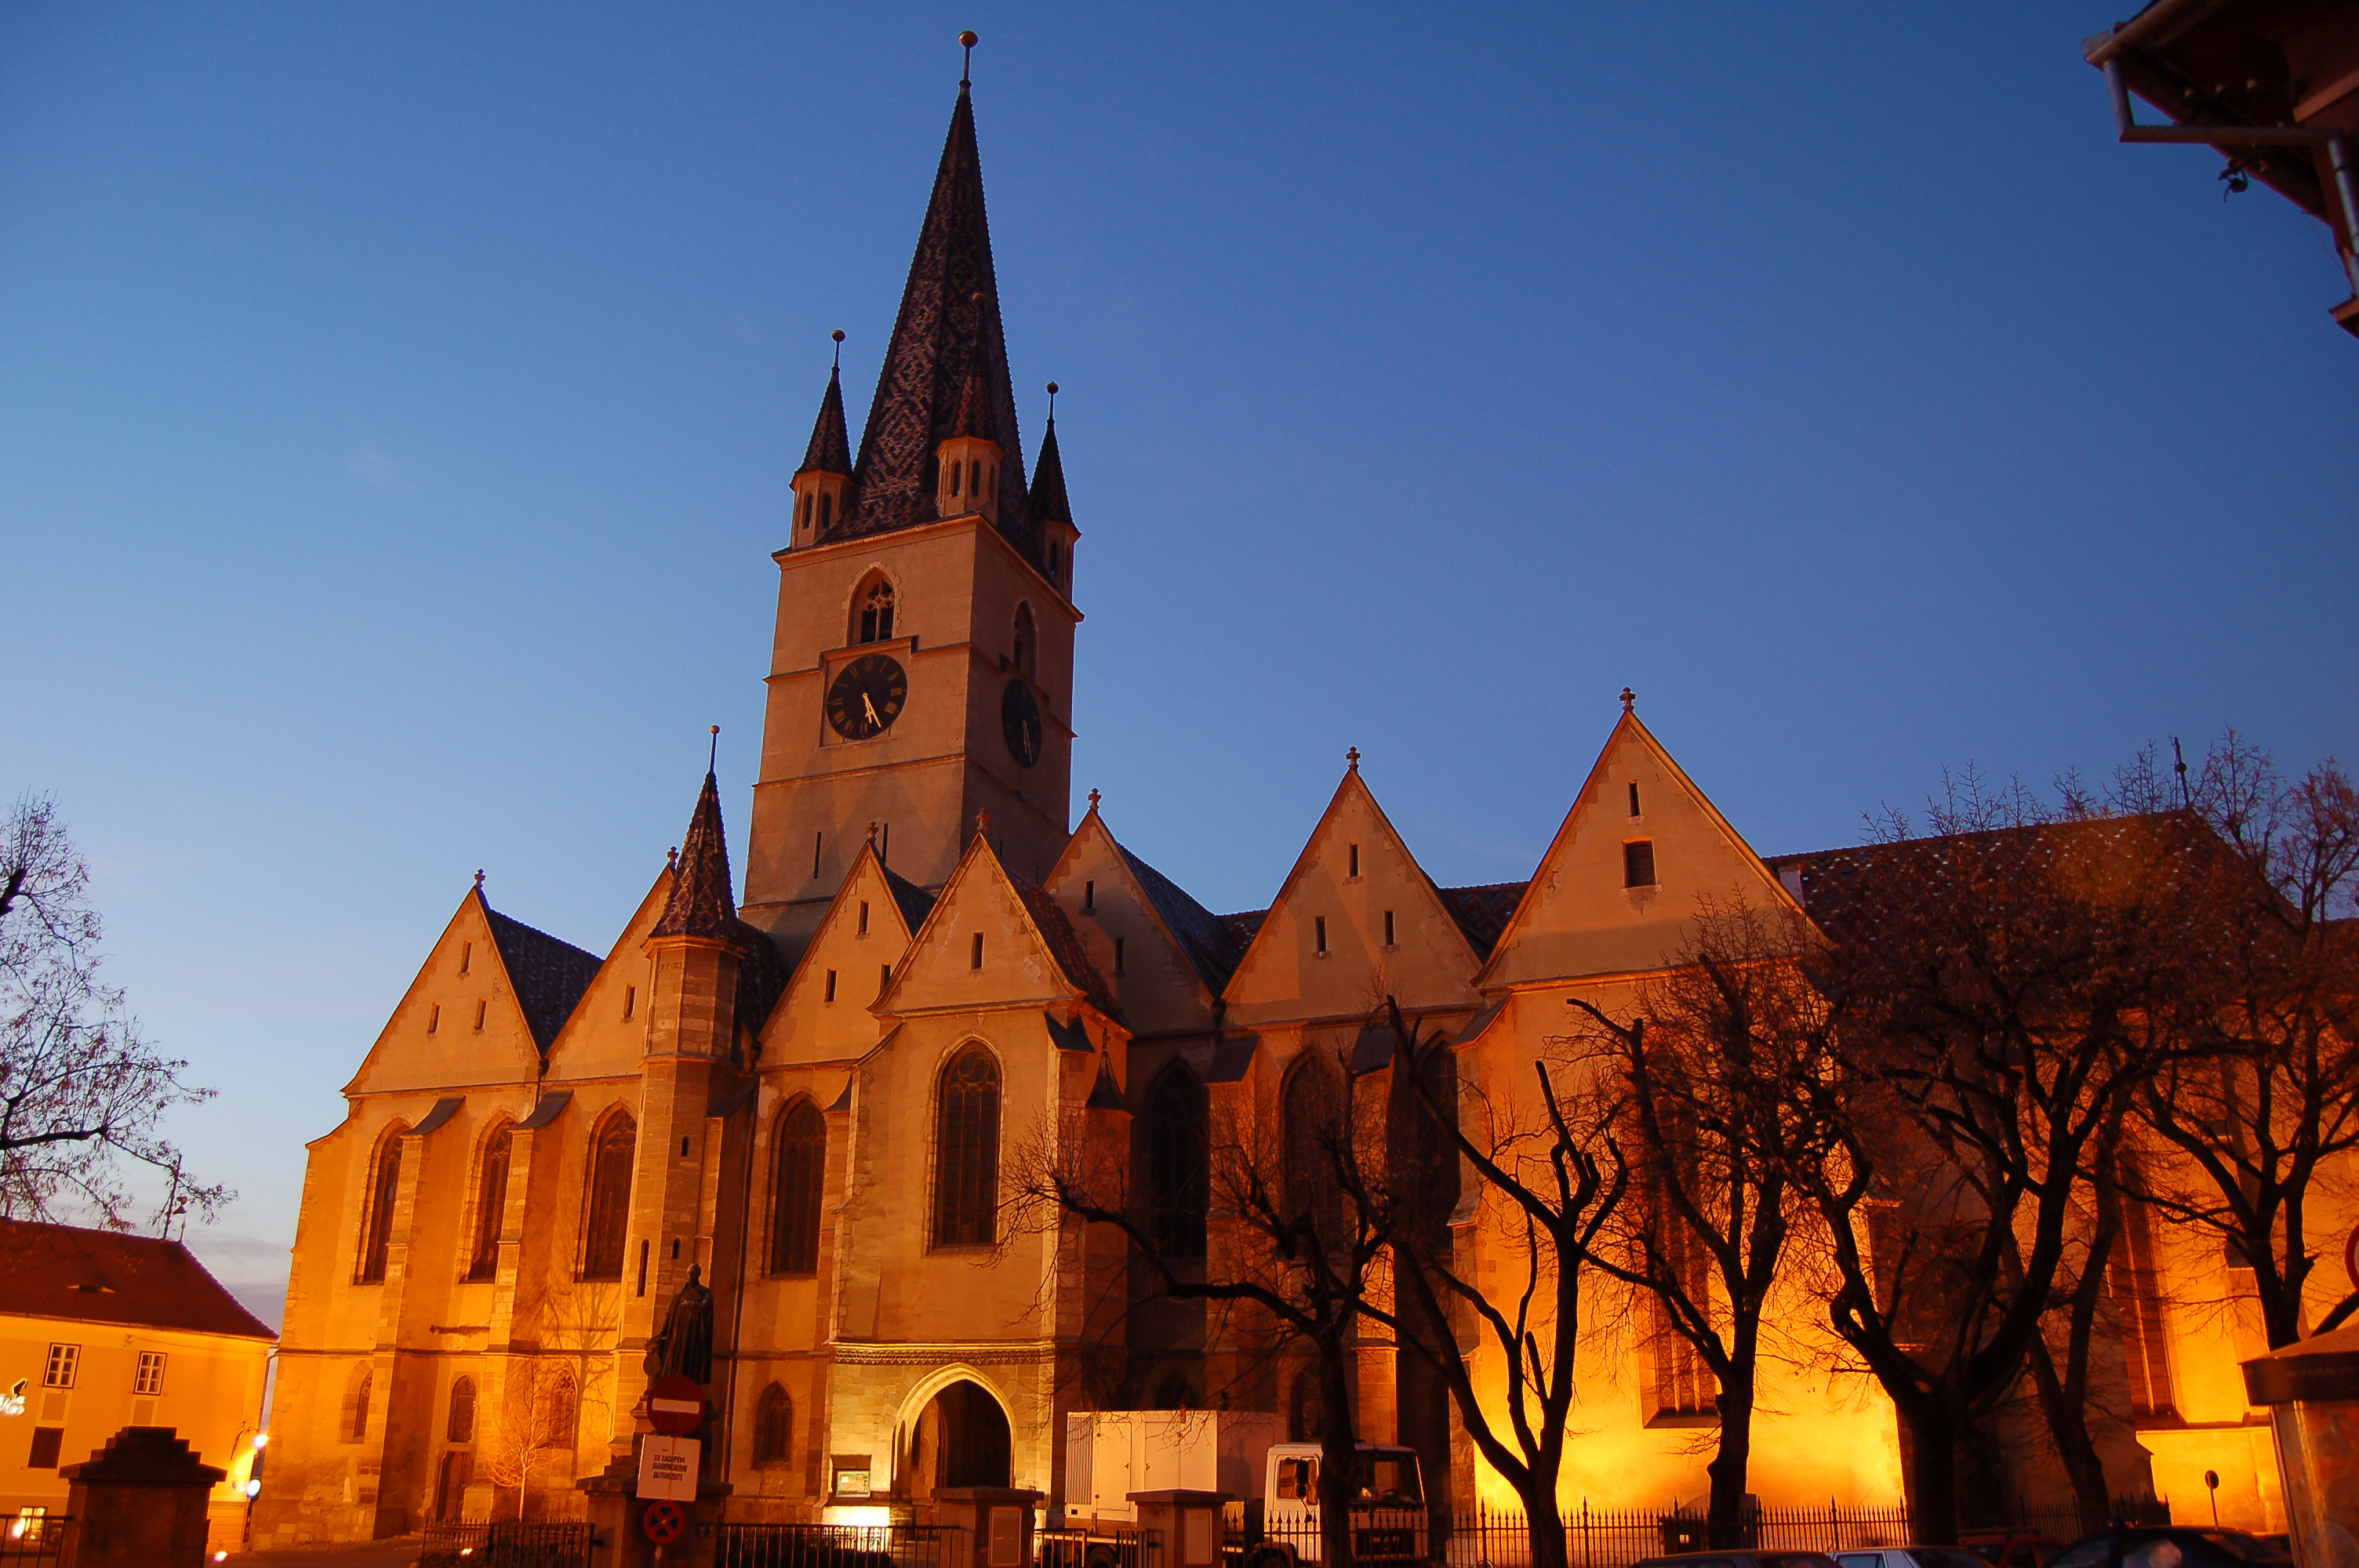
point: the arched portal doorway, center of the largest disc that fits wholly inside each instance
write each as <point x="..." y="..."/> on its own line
<point x="961" y="1439"/>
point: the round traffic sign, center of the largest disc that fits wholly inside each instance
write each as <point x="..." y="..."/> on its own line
<point x="666" y="1521"/>
<point x="675" y="1406"/>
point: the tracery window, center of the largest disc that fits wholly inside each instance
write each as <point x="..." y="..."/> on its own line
<point x="966" y="1165"/>
<point x="2132" y="1282"/>
<point x="875" y="604"/>
<point x="1178" y="1164"/>
<point x="607" y="1197"/>
<point x="556" y="1406"/>
<point x="460" y="1428"/>
<point x="356" y="1417"/>
<point x="491" y="1206"/>
<point x="774" y="1426"/>
<point x="1312" y="1114"/>
<point x="799" y="1176"/>
<point x="384" y="1186"/>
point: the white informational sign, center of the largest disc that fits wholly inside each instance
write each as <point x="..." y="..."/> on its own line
<point x="668" y="1467"/>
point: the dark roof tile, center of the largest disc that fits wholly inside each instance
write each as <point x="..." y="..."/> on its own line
<point x="549" y="975"/>
<point x="1211" y="944"/>
<point x="1483" y="912"/>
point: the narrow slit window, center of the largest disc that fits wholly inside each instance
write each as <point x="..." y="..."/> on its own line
<point x="630" y="1001"/>
<point x="466" y="956"/>
<point x="1321" y="931"/>
<point x="482" y="1006"/>
<point x="1089" y="898"/>
<point x="808" y="500"/>
<point x="1634" y="800"/>
<point x="1117" y="956"/>
<point x="830" y="985"/>
<point x="818" y="839"/>
<point x="1638" y="863"/>
<point x="827" y="509"/>
<point x="1355" y="861"/>
<point x="974" y="959"/>
<point x="884" y="978"/>
<point x="433" y="1018"/>
<point x="683" y="1154"/>
<point x="1388" y="928"/>
<point x="643" y="1268"/>
<point x="864" y="918"/>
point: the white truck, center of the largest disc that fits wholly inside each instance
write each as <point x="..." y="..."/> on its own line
<point x="1274" y="1520"/>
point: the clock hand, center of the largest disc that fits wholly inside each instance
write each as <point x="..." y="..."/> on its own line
<point x="872" y="711"/>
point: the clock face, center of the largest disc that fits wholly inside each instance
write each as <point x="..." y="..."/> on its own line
<point x="866" y="697"/>
<point x="1020" y="720"/>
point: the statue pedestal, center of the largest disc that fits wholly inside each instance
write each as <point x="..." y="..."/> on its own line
<point x="139" y="1502"/>
<point x="616" y="1512"/>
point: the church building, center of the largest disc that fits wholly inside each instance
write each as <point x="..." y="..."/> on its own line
<point x="816" y="1091"/>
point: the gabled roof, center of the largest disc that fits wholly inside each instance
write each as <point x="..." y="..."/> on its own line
<point x="547" y="976"/>
<point x="831" y="448"/>
<point x="1481" y="913"/>
<point x="1048" y="922"/>
<point x="916" y="902"/>
<point x="1211" y="945"/>
<point x="100" y="1276"/>
<point x="1064" y="945"/>
<point x="1241" y="927"/>
<point x="939" y="333"/>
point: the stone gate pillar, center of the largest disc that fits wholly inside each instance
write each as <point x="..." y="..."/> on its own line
<point x="139" y="1502"/>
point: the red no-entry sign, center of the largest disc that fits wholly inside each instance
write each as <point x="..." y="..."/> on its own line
<point x="665" y="1523"/>
<point x="675" y="1406"/>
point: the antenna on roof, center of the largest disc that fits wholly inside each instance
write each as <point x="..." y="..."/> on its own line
<point x="967" y="41"/>
<point x="713" y="758"/>
<point x="837" y="336"/>
<point x="2179" y="763"/>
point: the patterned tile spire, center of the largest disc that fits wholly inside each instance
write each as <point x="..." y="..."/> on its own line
<point x="830" y="448"/>
<point x="943" y="329"/>
<point x="701" y="904"/>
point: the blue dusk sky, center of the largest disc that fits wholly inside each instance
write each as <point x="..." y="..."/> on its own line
<point x="398" y="404"/>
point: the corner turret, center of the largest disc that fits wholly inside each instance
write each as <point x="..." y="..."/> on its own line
<point x="967" y="461"/>
<point x="1052" y="515"/>
<point x="823" y="485"/>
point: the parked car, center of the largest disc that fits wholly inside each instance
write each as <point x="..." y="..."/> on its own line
<point x="1739" y="1560"/>
<point x="1911" y="1557"/>
<point x="2174" y="1547"/>
<point x="2005" y="1549"/>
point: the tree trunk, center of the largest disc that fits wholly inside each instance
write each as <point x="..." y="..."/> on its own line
<point x="2067" y="1426"/>
<point x="1545" y="1520"/>
<point x="1725" y="1527"/>
<point x="1931" y="1464"/>
<point x="1339" y="1453"/>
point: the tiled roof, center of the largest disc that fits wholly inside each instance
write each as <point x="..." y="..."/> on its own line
<point x="1049" y="479"/>
<point x="701" y="904"/>
<point x="1483" y="912"/>
<point x="1073" y="1036"/>
<point x="1063" y="945"/>
<point x="830" y="448"/>
<point x="937" y="335"/>
<point x="1231" y="1055"/>
<point x="102" y="1276"/>
<point x="1241" y="927"/>
<point x="762" y="974"/>
<point x="549" y="976"/>
<point x="915" y="901"/>
<point x="1210" y="943"/>
<point x="1105" y="1094"/>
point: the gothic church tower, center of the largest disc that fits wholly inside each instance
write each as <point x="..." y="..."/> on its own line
<point x="921" y="672"/>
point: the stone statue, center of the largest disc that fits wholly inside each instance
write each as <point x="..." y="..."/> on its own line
<point x="684" y="1347"/>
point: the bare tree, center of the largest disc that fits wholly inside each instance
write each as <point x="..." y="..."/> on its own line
<point x="1995" y="989"/>
<point x="1717" y="1061"/>
<point x="1306" y="1217"/>
<point x="1553" y="1188"/>
<point x="2264" y="1102"/>
<point x="80" y="1091"/>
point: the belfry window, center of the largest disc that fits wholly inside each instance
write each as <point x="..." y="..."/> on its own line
<point x="799" y="1171"/>
<point x="377" y="1236"/>
<point x="876" y="612"/>
<point x="606" y="1199"/>
<point x="966" y="1162"/>
<point x="1026" y="642"/>
<point x="827" y="509"/>
<point x="491" y="1207"/>
<point x="957" y="470"/>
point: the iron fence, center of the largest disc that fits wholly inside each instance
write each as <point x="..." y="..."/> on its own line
<point x="505" y="1543"/>
<point x="745" y="1545"/>
<point x="1103" y="1546"/>
<point x="34" y="1540"/>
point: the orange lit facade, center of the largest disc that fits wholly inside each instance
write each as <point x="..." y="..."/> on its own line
<point x="814" y="1092"/>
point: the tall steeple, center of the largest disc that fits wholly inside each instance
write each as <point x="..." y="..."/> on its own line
<point x="944" y="332"/>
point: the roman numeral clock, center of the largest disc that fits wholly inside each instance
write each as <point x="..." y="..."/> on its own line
<point x="866" y="696"/>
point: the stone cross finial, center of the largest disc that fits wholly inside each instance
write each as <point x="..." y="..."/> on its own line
<point x="671" y="859"/>
<point x="479" y="879"/>
<point x="872" y="833"/>
<point x="1353" y="757"/>
<point x="1629" y="700"/>
<point x="981" y="823"/>
<point x="1094" y="800"/>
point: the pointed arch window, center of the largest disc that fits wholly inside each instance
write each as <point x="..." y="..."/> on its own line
<point x="1178" y="1162"/>
<point x="556" y="1406"/>
<point x="1312" y="1125"/>
<point x="377" y="1227"/>
<point x="460" y="1428"/>
<point x="491" y="1206"/>
<point x="356" y="1413"/>
<point x="966" y="1164"/>
<point x="607" y="1197"/>
<point x="774" y="1427"/>
<point x="800" y="1174"/>
<point x="873" y="605"/>
<point x="1028" y="640"/>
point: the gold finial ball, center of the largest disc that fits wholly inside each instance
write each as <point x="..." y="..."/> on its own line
<point x="837" y="334"/>
<point x="968" y="39"/>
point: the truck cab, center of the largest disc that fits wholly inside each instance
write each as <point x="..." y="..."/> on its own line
<point x="1388" y="1518"/>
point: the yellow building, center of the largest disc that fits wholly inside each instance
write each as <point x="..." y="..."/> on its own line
<point x="100" y="1331"/>
<point x="814" y="1096"/>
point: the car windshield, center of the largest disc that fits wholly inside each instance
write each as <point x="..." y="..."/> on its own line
<point x="2251" y="1548"/>
<point x="1389" y="1478"/>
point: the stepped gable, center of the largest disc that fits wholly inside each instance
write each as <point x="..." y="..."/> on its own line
<point x="1064" y="945"/>
<point x="1211" y="944"/>
<point x="1481" y="913"/>
<point x="549" y="975"/>
<point x="941" y="337"/>
<point x="103" y="1276"/>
